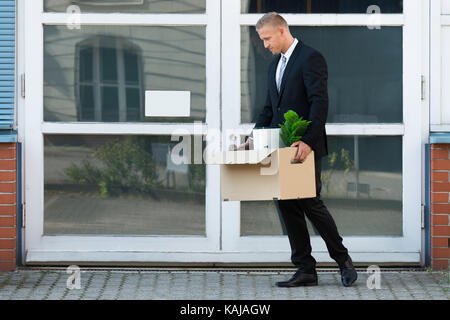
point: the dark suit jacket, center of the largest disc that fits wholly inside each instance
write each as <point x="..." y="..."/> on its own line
<point x="304" y="90"/>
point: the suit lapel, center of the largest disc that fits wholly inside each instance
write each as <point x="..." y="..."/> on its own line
<point x="288" y="68"/>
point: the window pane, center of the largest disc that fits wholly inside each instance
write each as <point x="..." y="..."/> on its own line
<point x="133" y="110"/>
<point x="364" y="72"/>
<point x="87" y="105"/>
<point x="110" y="104"/>
<point x="86" y="65"/>
<point x="148" y="58"/>
<point x="131" y="67"/>
<point x="133" y="6"/>
<point x="320" y="6"/>
<point x="108" y="61"/>
<point x="120" y="185"/>
<point x="361" y="187"/>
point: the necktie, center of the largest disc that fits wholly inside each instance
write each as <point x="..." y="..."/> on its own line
<point x="280" y="76"/>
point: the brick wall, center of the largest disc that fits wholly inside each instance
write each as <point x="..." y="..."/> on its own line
<point x="440" y="206"/>
<point x="7" y="206"/>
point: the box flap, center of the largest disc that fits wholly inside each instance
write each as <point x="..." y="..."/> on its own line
<point x="240" y="157"/>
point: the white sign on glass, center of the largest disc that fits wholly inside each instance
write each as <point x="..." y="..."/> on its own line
<point x="167" y="103"/>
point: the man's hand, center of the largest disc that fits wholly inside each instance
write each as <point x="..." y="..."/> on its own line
<point x="303" y="150"/>
<point x="248" y="145"/>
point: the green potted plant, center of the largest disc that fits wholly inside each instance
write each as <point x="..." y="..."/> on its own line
<point x="293" y="128"/>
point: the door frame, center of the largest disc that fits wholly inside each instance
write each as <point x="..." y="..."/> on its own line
<point x="406" y="248"/>
<point x="45" y="248"/>
<point x="223" y="242"/>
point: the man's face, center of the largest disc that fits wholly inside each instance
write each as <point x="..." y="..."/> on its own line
<point x="272" y="38"/>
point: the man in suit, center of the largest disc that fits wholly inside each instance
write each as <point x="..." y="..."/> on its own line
<point x="298" y="81"/>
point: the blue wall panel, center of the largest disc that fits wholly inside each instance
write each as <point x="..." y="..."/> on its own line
<point x="7" y="63"/>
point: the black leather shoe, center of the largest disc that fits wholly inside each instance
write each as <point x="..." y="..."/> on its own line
<point x="348" y="273"/>
<point x="299" y="279"/>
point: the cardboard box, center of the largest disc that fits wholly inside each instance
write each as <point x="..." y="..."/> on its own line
<point x="250" y="175"/>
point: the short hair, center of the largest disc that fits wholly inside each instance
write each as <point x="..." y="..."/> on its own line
<point x="272" y="18"/>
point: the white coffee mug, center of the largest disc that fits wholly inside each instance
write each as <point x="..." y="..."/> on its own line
<point x="266" y="138"/>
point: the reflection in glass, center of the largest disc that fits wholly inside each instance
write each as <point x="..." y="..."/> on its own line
<point x="320" y="6"/>
<point x="110" y="111"/>
<point x="108" y="65"/>
<point x="364" y="72"/>
<point x="361" y="187"/>
<point x="130" y="6"/>
<point x="127" y="185"/>
<point x="101" y="73"/>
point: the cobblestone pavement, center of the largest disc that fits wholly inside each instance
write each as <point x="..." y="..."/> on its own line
<point x="215" y="284"/>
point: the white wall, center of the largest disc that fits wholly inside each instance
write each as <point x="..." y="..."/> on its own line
<point x="440" y="66"/>
<point x="445" y="103"/>
<point x="445" y="6"/>
<point x="445" y="71"/>
<point x="445" y="74"/>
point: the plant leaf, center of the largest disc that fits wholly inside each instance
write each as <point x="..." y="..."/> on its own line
<point x="293" y="128"/>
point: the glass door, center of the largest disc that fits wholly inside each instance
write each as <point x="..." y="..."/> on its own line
<point x="371" y="181"/>
<point x="101" y="182"/>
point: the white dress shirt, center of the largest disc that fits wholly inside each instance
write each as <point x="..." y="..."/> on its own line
<point x="287" y="55"/>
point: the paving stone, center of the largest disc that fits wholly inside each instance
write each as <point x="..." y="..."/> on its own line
<point x="109" y="285"/>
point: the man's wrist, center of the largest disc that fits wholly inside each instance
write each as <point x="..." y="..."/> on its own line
<point x="308" y="143"/>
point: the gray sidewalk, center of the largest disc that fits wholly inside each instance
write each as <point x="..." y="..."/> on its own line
<point x="215" y="284"/>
